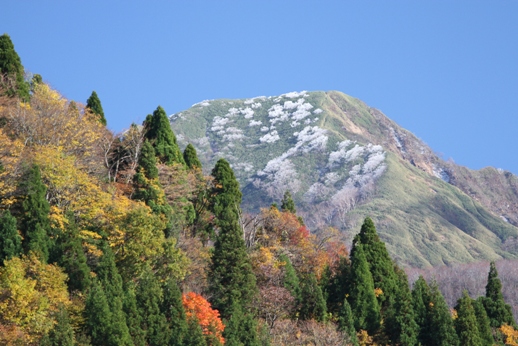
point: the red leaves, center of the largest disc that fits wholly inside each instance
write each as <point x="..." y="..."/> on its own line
<point x="197" y="306"/>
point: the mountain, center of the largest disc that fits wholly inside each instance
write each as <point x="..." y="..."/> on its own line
<point x="342" y="160"/>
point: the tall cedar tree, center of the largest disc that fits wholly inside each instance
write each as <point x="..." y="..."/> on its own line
<point x="420" y="301"/>
<point x="111" y="281"/>
<point x="231" y="277"/>
<point x="173" y="310"/>
<point x="497" y="310"/>
<point x="70" y="257"/>
<point x="466" y="322"/>
<point x="147" y="161"/>
<point x="62" y="334"/>
<point x="191" y="157"/>
<point x="287" y="203"/>
<point x="133" y="318"/>
<point x="291" y="280"/>
<point x="484" y="327"/>
<point x="361" y="297"/>
<point x="440" y="327"/>
<point x="241" y="329"/>
<point x="312" y="303"/>
<point x="194" y="335"/>
<point x="35" y="222"/>
<point x="346" y="322"/>
<point x="97" y="315"/>
<point x="149" y="300"/>
<point x="159" y="133"/>
<point x="11" y="69"/>
<point x="10" y="240"/>
<point x="94" y="104"/>
<point x="337" y="285"/>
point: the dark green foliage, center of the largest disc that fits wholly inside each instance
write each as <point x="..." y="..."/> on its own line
<point x="466" y="322"/>
<point x="346" y="322"/>
<point x="287" y="203"/>
<point x="62" y="334"/>
<point x="497" y="310"/>
<point x="147" y="161"/>
<point x="441" y="331"/>
<point x="10" y="240"/>
<point x="11" y="70"/>
<point x="191" y="157"/>
<point x="194" y="335"/>
<point x="70" y="256"/>
<point x="97" y="315"/>
<point x="337" y="285"/>
<point x="149" y="299"/>
<point x="94" y="104"/>
<point x="312" y="303"/>
<point x="111" y="281"/>
<point x="241" y="329"/>
<point x="133" y="318"/>
<point x="420" y="301"/>
<point x="159" y="133"/>
<point x="291" y="280"/>
<point x="484" y="327"/>
<point x="173" y="310"/>
<point x="361" y="297"/>
<point x="231" y="277"/>
<point x="35" y="222"/>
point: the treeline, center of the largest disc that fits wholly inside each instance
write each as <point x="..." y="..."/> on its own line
<point x="119" y="239"/>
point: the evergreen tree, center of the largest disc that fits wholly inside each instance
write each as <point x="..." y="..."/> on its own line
<point x="313" y="305"/>
<point x="111" y="281"/>
<point x="191" y="157"/>
<point x="149" y="300"/>
<point x="241" y="328"/>
<point x="173" y="310"/>
<point x="466" y="322"/>
<point x="362" y="298"/>
<point x="346" y="322"/>
<point x="97" y="314"/>
<point x="287" y="203"/>
<point x="35" y="219"/>
<point x="94" y="104"/>
<point x="133" y="318"/>
<point x="497" y="310"/>
<point x="231" y="277"/>
<point x="441" y="331"/>
<point x="10" y="240"/>
<point x="194" y="335"/>
<point x="11" y="69"/>
<point x="484" y="327"/>
<point x="62" y="334"/>
<point x="147" y="161"/>
<point x="158" y="132"/>
<point x="420" y="301"/>
<point x="337" y="285"/>
<point x="291" y="280"/>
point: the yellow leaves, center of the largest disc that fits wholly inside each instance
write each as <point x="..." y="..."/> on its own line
<point x="10" y="152"/>
<point x="511" y="334"/>
<point x="454" y="314"/>
<point x="364" y="338"/>
<point x="378" y="292"/>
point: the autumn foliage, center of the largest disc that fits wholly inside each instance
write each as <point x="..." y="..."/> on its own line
<point x="197" y="306"/>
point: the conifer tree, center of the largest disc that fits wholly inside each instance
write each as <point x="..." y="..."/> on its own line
<point x="94" y="104"/>
<point x="149" y="299"/>
<point x="313" y="305"/>
<point x="497" y="310"/>
<point x="440" y="327"/>
<point x="97" y="314"/>
<point x="420" y="301"/>
<point x="287" y="203"/>
<point x="191" y="157"/>
<point x="466" y="322"/>
<point x="337" y="285"/>
<point x="484" y="327"/>
<point x="362" y="298"/>
<point x="194" y="334"/>
<point x="62" y="334"/>
<point x="174" y="312"/>
<point x="10" y="240"/>
<point x="231" y="277"/>
<point x="291" y="280"/>
<point x="11" y="69"/>
<point x="346" y="322"/>
<point x="241" y="328"/>
<point x="35" y="218"/>
<point x="133" y="318"/>
<point x="159" y="133"/>
<point x="147" y="161"/>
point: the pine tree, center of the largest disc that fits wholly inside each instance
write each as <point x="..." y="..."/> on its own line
<point x="346" y="322"/>
<point x="94" y="104"/>
<point x="231" y="277"/>
<point x="291" y="280"/>
<point x="35" y="219"/>
<point x="62" y="334"/>
<point x="440" y="327"/>
<point x="466" y="322"/>
<point x="338" y="285"/>
<point x="191" y="157"/>
<point x="11" y="69"/>
<point x="158" y="132"/>
<point x="362" y="298"/>
<point x="241" y="328"/>
<point x="287" y="203"/>
<point x="174" y="312"/>
<point x="194" y="334"/>
<point x="497" y="310"/>
<point x="10" y="240"/>
<point x="483" y="324"/>
<point x="313" y="305"/>
<point x="97" y="314"/>
<point x="149" y="300"/>
<point x="420" y="301"/>
<point x="147" y="161"/>
<point x="133" y="318"/>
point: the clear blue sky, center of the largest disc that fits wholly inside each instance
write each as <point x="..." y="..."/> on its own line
<point x="445" y="70"/>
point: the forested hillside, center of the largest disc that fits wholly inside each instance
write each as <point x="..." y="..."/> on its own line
<point x="120" y="239"/>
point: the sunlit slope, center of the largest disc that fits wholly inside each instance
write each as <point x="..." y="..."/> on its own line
<point x="342" y="161"/>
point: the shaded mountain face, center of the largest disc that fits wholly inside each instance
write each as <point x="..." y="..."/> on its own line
<point x="342" y="161"/>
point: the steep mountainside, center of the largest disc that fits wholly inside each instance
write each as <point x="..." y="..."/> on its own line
<point x="343" y="160"/>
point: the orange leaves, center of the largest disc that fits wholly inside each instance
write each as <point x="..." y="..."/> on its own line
<point x="511" y="335"/>
<point x="197" y="306"/>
